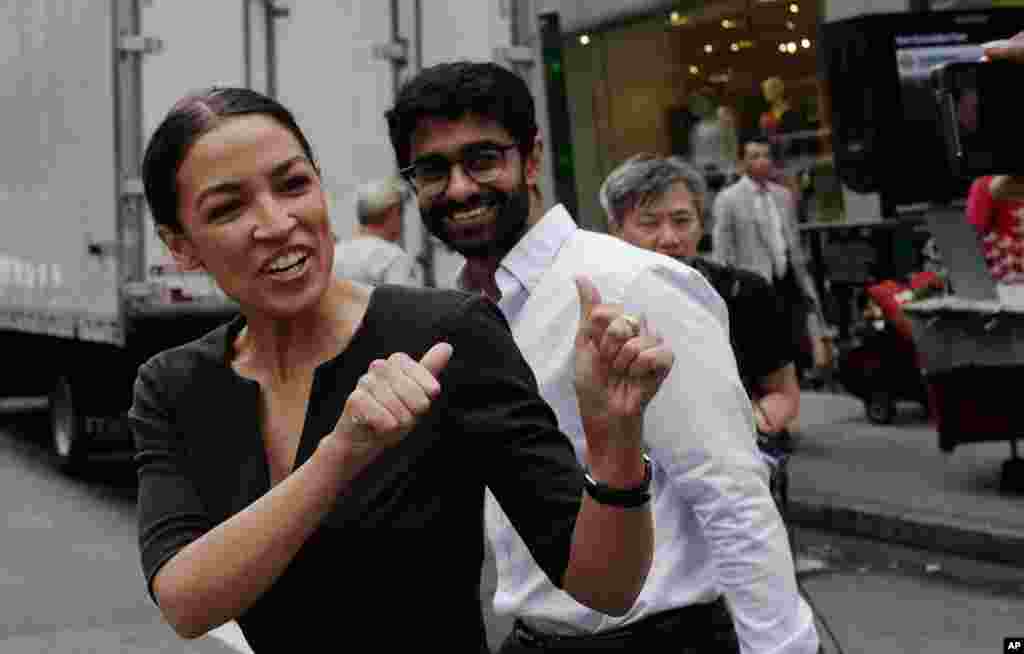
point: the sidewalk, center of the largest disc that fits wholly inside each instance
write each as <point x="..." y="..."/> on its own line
<point x="892" y="483"/>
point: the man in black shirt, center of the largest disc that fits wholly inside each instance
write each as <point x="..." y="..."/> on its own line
<point x="657" y="203"/>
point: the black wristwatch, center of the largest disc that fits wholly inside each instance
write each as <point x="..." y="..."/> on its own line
<point x="626" y="498"/>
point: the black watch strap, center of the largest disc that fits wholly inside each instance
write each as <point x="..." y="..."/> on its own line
<point x="626" y="498"/>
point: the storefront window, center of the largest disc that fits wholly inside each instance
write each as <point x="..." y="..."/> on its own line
<point x="696" y="83"/>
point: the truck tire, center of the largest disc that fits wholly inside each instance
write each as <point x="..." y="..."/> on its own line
<point x="68" y="436"/>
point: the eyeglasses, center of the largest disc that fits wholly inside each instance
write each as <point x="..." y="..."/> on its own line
<point x="483" y="162"/>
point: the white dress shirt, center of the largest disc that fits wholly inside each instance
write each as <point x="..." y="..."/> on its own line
<point x="772" y="219"/>
<point x="717" y="530"/>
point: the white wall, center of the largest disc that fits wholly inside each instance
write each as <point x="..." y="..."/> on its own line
<point x="463" y="29"/>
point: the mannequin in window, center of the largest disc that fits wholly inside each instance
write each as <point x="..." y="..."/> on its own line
<point x="781" y="119"/>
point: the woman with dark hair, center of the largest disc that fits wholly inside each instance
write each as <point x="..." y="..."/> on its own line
<point x="308" y="446"/>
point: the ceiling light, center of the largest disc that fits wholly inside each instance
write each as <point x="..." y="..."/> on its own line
<point x="585" y="39"/>
<point x="794" y="8"/>
<point x="708" y="48"/>
<point x="791" y="47"/>
<point x="790" y="25"/>
<point x="782" y="47"/>
<point x="728" y="23"/>
<point x="805" y="43"/>
<point x="694" y="70"/>
<point x="735" y="47"/>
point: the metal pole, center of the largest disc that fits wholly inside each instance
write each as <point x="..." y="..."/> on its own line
<point x="247" y="42"/>
<point x="130" y="144"/>
<point x="272" y="13"/>
<point x="396" y="80"/>
<point x="427" y="250"/>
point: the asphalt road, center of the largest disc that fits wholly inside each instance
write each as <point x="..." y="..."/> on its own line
<point x="70" y="581"/>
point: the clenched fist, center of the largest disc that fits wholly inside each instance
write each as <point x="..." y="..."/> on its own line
<point x="389" y="400"/>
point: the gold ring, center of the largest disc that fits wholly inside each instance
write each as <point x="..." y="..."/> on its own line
<point x="633" y="322"/>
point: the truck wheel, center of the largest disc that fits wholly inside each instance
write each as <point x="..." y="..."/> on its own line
<point x="880" y="407"/>
<point x="70" y="441"/>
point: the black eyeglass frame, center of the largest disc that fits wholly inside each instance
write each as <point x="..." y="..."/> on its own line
<point x="408" y="175"/>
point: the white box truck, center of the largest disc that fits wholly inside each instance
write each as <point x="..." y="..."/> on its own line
<point x="87" y="290"/>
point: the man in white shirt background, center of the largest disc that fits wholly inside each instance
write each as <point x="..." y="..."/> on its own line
<point x="373" y="255"/>
<point x="466" y="138"/>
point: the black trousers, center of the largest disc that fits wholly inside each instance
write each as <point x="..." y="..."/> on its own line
<point x="697" y="629"/>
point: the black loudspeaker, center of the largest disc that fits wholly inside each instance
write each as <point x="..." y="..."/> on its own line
<point x="846" y="57"/>
<point x="886" y="128"/>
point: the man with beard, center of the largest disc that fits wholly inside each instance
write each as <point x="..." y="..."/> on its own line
<point x="466" y="138"/>
<point x="657" y="203"/>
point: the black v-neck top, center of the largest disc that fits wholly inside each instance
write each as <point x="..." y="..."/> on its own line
<point x="397" y="562"/>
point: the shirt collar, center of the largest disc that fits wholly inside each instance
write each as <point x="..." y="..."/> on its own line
<point x="754" y="185"/>
<point x="535" y="252"/>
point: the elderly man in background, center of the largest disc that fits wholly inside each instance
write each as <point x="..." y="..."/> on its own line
<point x="657" y="203"/>
<point x="373" y="255"/>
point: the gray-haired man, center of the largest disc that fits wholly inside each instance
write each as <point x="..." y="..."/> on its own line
<point x="657" y="203"/>
<point x="373" y="255"/>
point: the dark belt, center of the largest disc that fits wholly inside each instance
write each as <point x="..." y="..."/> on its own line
<point x="706" y="623"/>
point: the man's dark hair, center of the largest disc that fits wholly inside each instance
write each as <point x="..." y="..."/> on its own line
<point x="758" y="138"/>
<point x="189" y="119"/>
<point x="456" y="89"/>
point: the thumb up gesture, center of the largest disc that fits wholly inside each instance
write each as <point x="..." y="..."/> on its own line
<point x="389" y="400"/>
<point x="620" y="363"/>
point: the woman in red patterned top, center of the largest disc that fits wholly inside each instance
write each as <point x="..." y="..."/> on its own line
<point x="1000" y="225"/>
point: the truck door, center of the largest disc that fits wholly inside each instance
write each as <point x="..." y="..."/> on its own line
<point x="198" y="44"/>
<point x="58" y="180"/>
<point x="335" y="73"/>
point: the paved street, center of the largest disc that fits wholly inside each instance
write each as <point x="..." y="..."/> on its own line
<point x="882" y="598"/>
<point x="70" y="581"/>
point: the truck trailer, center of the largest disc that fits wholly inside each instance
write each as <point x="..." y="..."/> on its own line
<point x="87" y="290"/>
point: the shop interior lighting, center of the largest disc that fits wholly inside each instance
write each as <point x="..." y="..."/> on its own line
<point x="694" y="70"/>
<point x="782" y="47"/>
<point x="805" y="43"/>
<point x="794" y="8"/>
<point x="735" y="47"/>
<point x="584" y="39"/>
<point x="728" y="23"/>
<point x="708" y="48"/>
<point x="790" y="25"/>
<point x="676" y="18"/>
<point x="791" y="47"/>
